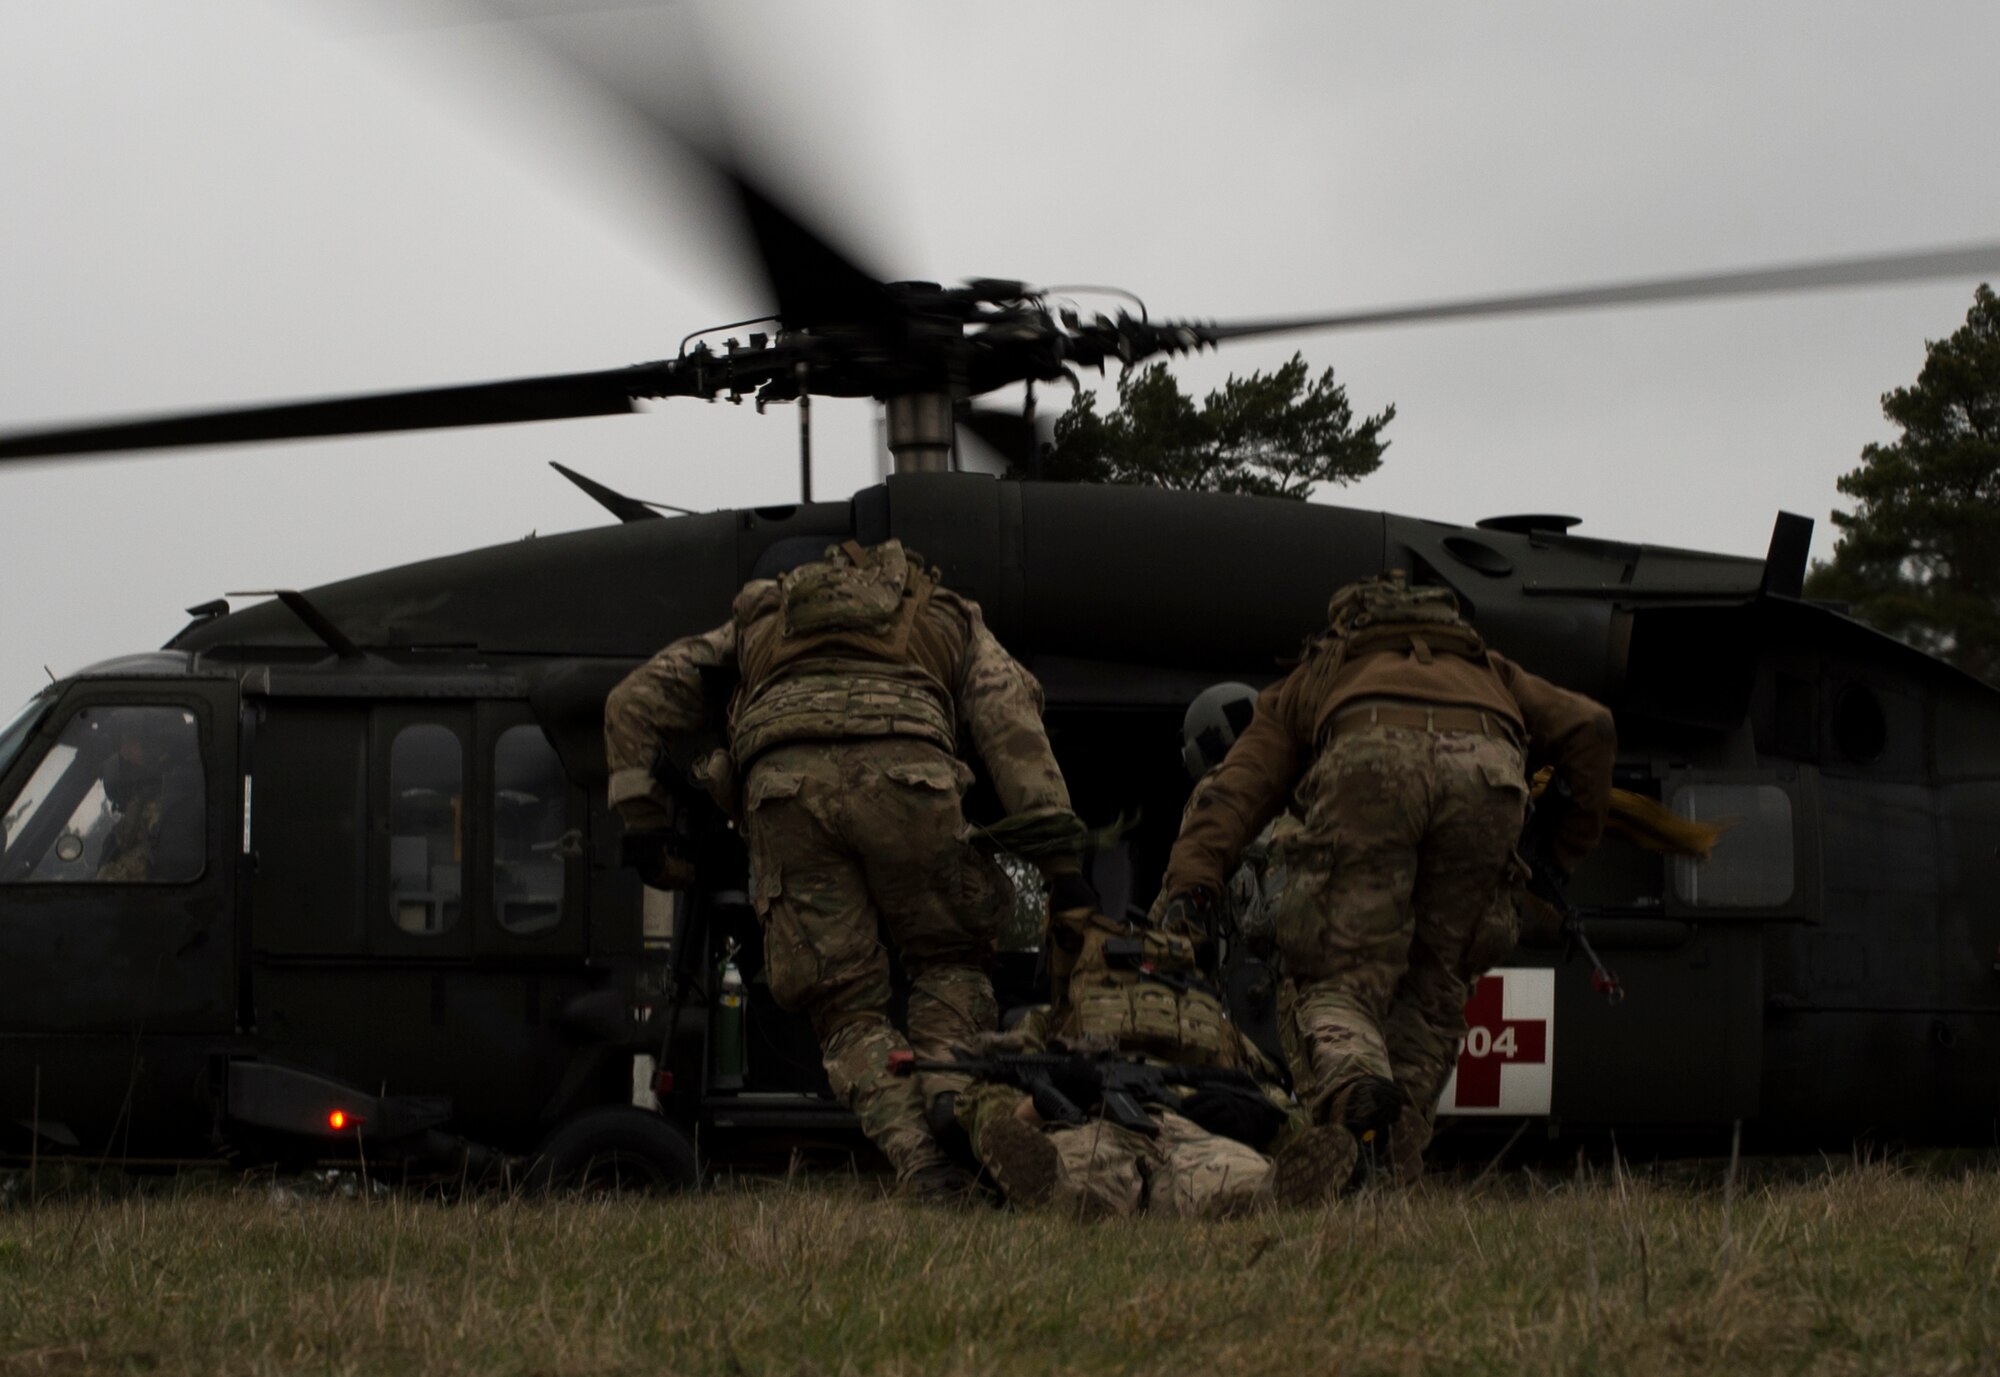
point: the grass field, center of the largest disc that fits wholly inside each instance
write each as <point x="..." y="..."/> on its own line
<point x="1861" y="1269"/>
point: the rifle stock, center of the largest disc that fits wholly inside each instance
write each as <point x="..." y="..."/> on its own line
<point x="1546" y="881"/>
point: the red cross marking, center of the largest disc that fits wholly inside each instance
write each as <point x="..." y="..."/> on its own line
<point x="1492" y="1041"/>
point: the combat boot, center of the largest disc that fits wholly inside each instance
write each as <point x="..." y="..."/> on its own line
<point x="1406" y="1146"/>
<point x="941" y="1183"/>
<point x="1021" y="1159"/>
<point x="1314" y="1165"/>
<point x="942" y="1119"/>
<point x="1368" y="1108"/>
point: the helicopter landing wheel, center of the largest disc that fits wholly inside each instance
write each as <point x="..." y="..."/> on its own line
<point x="615" y="1150"/>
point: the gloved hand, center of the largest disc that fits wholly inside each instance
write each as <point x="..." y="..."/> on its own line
<point x="1192" y="914"/>
<point x="662" y="857"/>
<point x="715" y="773"/>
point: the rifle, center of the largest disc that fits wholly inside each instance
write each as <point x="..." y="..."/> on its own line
<point x="1545" y="881"/>
<point x="1066" y="1085"/>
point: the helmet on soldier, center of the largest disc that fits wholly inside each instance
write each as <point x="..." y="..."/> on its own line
<point x="1214" y="720"/>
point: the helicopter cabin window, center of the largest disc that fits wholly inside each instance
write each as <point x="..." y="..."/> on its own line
<point x="119" y="799"/>
<point x="530" y="816"/>
<point x="1752" y="863"/>
<point x="426" y="829"/>
<point x="1022" y="928"/>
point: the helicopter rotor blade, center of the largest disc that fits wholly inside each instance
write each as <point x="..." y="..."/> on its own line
<point x="553" y="397"/>
<point x="1974" y="260"/>
<point x="814" y="283"/>
<point x="1009" y="433"/>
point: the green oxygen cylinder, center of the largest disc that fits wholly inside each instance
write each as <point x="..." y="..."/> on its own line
<point x="726" y="1027"/>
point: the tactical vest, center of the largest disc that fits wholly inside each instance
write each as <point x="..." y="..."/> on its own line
<point x="1140" y="987"/>
<point x="829" y="658"/>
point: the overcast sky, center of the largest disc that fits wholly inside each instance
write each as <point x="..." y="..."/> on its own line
<point x="205" y="202"/>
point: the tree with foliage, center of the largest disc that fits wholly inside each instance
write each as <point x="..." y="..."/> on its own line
<point x="1275" y="434"/>
<point x="1919" y="556"/>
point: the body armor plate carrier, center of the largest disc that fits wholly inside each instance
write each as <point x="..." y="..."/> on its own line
<point x="839" y="700"/>
<point x="1141" y="987"/>
<point x="832" y="661"/>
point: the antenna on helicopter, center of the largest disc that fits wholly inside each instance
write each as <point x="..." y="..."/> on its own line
<point x="316" y="621"/>
<point x="617" y="503"/>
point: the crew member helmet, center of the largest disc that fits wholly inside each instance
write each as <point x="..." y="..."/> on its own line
<point x="1214" y="720"/>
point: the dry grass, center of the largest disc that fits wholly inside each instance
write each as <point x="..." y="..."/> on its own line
<point x="1861" y="1270"/>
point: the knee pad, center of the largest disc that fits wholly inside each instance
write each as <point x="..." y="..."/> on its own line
<point x="856" y="1052"/>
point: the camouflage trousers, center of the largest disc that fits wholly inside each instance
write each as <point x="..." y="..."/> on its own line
<point x="1107" y="1172"/>
<point x="1422" y="1070"/>
<point x="1407" y="848"/>
<point x="849" y="841"/>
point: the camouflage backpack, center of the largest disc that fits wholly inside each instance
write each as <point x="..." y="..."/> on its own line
<point x="1386" y="614"/>
<point x="853" y="589"/>
<point x="1142" y="988"/>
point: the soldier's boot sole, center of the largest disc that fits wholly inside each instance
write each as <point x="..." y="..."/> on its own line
<point x="1022" y="1160"/>
<point x="1315" y="1166"/>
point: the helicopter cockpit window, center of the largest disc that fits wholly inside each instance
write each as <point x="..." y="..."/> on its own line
<point x="15" y="734"/>
<point x="426" y="829"/>
<point x="119" y="799"/>
<point x="530" y="816"/>
<point x="1752" y="864"/>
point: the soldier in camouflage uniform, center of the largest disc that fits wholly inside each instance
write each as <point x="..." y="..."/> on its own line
<point x="859" y="674"/>
<point x="1137" y="992"/>
<point x="1403" y="738"/>
<point x="1103" y="1170"/>
<point x="1185" y="1169"/>
<point x="157" y="799"/>
<point x="1249" y="903"/>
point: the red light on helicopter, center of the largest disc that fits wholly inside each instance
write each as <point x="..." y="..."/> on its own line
<point x="337" y="1120"/>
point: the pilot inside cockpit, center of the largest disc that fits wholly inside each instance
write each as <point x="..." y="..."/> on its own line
<point x="152" y="784"/>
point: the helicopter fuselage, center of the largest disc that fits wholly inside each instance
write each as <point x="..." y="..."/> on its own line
<point x="409" y="909"/>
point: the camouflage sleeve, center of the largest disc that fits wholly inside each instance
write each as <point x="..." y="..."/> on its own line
<point x="1000" y="705"/>
<point x="655" y="702"/>
<point x="1244" y="793"/>
<point x="128" y="851"/>
<point x="1576" y="736"/>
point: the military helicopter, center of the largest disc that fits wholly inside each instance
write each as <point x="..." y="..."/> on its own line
<point x="381" y="906"/>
